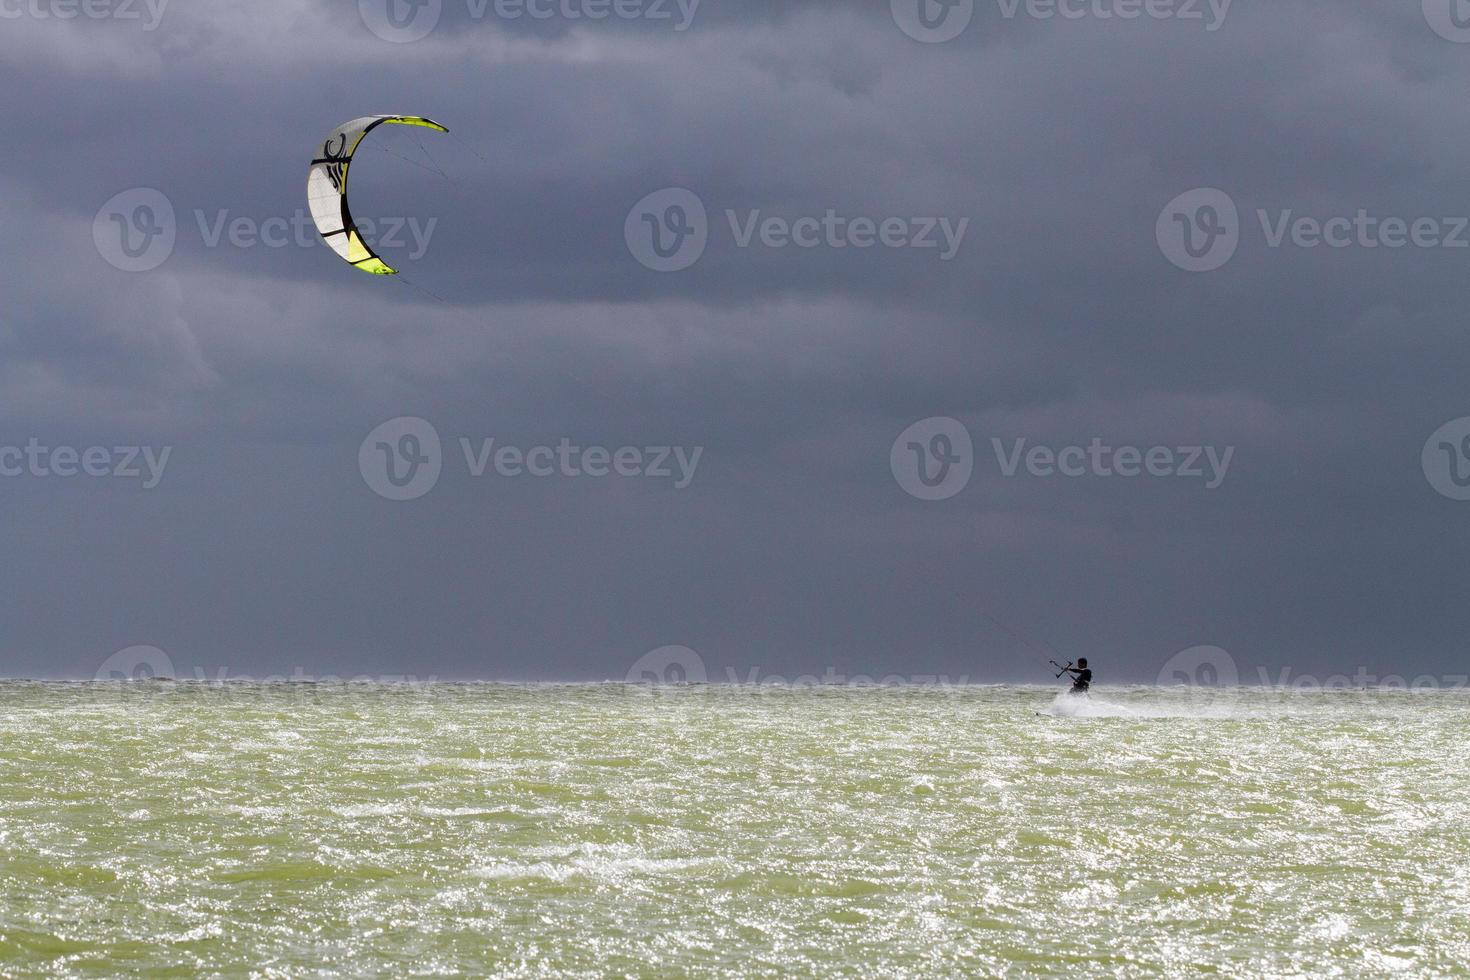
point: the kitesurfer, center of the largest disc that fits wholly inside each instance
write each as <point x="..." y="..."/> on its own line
<point x="1081" y="677"/>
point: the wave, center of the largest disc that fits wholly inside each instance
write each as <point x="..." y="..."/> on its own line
<point x="1092" y="706"/>
<point x="1086" y="706"/>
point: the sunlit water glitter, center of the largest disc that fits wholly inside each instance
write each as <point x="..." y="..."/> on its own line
<point x="612" y="830"/>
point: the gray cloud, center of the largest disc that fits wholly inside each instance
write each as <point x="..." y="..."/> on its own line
<point x="1059" y="320"/>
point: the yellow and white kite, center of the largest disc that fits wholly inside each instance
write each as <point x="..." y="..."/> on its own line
<point x="326" y="189"/>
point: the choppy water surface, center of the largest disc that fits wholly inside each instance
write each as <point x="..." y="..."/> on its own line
<point x="529" y="831"/>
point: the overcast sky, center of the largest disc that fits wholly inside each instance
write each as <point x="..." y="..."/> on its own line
<point x="1078" y="231"/>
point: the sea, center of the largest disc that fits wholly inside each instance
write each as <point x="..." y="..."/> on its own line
<point x="614" y="830"/>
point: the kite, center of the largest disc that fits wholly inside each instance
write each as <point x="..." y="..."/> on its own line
<point x="326" y="190"/>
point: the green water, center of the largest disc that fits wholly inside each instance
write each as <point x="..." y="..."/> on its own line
<point x="609" y="830"/>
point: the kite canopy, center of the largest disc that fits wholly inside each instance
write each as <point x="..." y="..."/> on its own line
<point x="326" y="189"/>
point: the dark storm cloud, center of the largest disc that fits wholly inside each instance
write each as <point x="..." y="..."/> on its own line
<point x="1059" y="319"/>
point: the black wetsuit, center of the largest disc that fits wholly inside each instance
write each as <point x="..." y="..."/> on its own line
<point x="1083" y="680"/>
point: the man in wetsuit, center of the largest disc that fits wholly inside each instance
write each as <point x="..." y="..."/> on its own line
<point x="1082" y="677"/>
